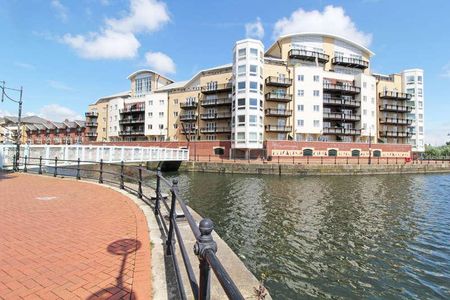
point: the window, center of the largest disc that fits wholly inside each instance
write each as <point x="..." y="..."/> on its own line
<point x="420" y="103"/>
<point x="219" y="151"/>
<point x="410" y="79"/>
<point x="300" y="93"/>
<point x="364" y="84"/>
<point x="241" y="85"/>
<point x="316" y="123"/>
<point x="419" y="79"/>
<point x="175" y="114"/>
<point x="253" y="103"/>
<point x="316" y="78"/>
<point x="372" y="100"/>
<point x="316" y="107"/>
<point x="356" y="153"/>
<point x="316" y="93"/>
<point x="252" y="120"/>
<point x="161" y="114"/>
<point x="253" y="137"/>
<point x="300" y="77"/>
<point x="300" y="107"/>
<point x="241" y="53"/>
<point x="420" y="116"/>
<point x="411" y="91"/>
<point x="419" y="92"/>
<point x="149" y="126"/>
<point x="241" y="120"/>
<point x="150" y="102"/>
<point x="253" y="53"/>
<point x="364" y="112"/>
<point x="332" y="152"/>
<point x="307" y="152"/>
<point x="150" y="114"/>
<point x="161" y="126"/>
<point x="372" y="113"/>
<point x="161" y="102"/>
<point x="175" y="101"/>
<point x="115" y="118"/>
<point x="376" y="153"/>
<point x="365" y="98"/>
<point x="241" y="102"/>
<point x="241" y="136"/>
<point x="241" y="70"/>
<point x="175" y="126"/>
<point x="253" y="70"/>
<point x="253" y="86"/>
<point x="300" y="123"/>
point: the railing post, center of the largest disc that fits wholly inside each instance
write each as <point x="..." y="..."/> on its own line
<point x="347" y="160"/>
<point x="307" y="160"/>
<point x="321" y="160"/>
<point x="158" y="189"/>
<point x="335" y="158"/>
<point x="100" y="175"/>
<point x="205" y="243"/>
<point x="293" y="160"/>
<point x="55" y="172"/>
<point x="78" y="169"/>
<point x="40" y="165"/>
<point x="14" y="163"/>
<point x="358" y="160"/>
<point x="122" y="185"/>
<point x="140" y="182"/>
<point x="172" y="217"/>
<point x="25" y="170"/>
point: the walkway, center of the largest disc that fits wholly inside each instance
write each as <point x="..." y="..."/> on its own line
<point x="63" y="239"/>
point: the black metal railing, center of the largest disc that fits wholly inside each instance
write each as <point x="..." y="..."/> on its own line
<point x="150" y="186"/>
<point x="350" y="62"/>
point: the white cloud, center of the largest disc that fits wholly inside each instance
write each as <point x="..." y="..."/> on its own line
<point x="5" y="113"/>
<point x="255" y="29"/>
<point x="331" y="20"/>
<point x="446" y="71"/>
<point x="58" y="113"/>
<point x="160" y="62"/>
<point x="58" y="85"/>
<point x="60" y="9"/>
<point x="117" y="38"/>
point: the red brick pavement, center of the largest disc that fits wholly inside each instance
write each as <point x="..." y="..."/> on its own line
<point x="63" y="239"/>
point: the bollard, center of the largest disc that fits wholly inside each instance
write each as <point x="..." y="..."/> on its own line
<point x="40" y="165"/>
<point x="78" y="169"/>
<point x="293" y="160"/>
<point x="387" y="161"/>
<point x="396" y="160"/>
<point x="209" y="157"/>
<point x="25" y="170"/>
<point x="140" y="182"/>
<point x="321" y="160"/>
<point x="122" y="185"/>
<point x="55" y="172"/>
<point x="204" y="245"/>
<point x="358" y="160"/>
<point x="307" y="160"/>
<point x="172" y="217"/>
<point x="335" y="158"/>
<point x="378" y="160"/>
<point x="158" y="189"/>
<point x="14" y="163"/>
<point x="100" y="176"/>
<point x="347" y="160"/>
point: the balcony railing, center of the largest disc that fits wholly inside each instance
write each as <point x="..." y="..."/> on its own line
<point x="343" y="88"/>
<point x="188" y="117"/>
<point x="131" y="132"/>
<point x="396" y="108"/>
<point x="308" y="55"/>
<point x="131" y="121"/>
<point x="91" y="134"/>
<point x="216" y="102"/>
<point x="278" y="81"/>
<point x="396" y="121"/>
<point x="218" y="88"/>
<point x="396" y="134"/>
<point x="190" y="130"/>
<point x="395" y="95"/>
<point x="278" y="112"/>
<point x="341" y="102"/>
<point x="278" y="128"/>
<point x="350" y="62"/>
<point x="91" y="124"/>
<point x="188" y="105"/>
<point x="341" y="116"/>
<point x="91" y="114"/>
<point x="132" y="109"/>
<point x="215" y="129"/>
<point x="212" y="116"/>
<point x="279" y="97"/>
<point x="341" y="131"/>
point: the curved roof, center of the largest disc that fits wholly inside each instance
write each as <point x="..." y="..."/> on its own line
<point x="146" y="71"/>
<point x="323" y="34"/>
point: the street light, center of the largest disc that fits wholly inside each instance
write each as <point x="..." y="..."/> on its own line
<point x="19" y="127"/>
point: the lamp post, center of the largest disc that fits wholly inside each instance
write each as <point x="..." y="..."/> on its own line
<point x="19" y="119"/>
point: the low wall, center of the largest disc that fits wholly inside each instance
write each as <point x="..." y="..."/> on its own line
<point x="313" y="170"/>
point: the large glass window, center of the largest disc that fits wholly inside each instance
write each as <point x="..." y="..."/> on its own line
<point x="241" y="136"/>
<point x="253" y="137"/>
<point x="241" y="85"/>
<point x="253" y="103"/>
<point x="241" y="101"/>
<point x="253" y="53"/>
<point x="253" y="86"/>
<point x="241" y="70"/>
<point x="252" y="120"/>
<point x="241" y="53"/>
<point x="253" y="70"/>
<point x="241" y="120"/>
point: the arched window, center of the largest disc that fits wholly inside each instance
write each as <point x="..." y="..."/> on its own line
<point x="307" y="152"/>
<point x="377" y="153"/>
<point x="332" y="152"/>
<point x="219" y="151"/>
<point x="356" y="152"/>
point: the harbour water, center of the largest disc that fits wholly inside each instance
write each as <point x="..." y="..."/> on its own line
<point x="377" y="237"/>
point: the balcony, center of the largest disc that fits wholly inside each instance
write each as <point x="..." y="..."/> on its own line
<point x="91" y="124"/>
<point x="189" y="105"/>
<point x="273" y="112"/>
<point x="396" y="134"/>
<point x="131" y="132"/>
<point x="341" y="116"/>
<point x="396" y="108"/>
<point x="341" y="88"/>
<point x="91" y="134"/>
<point x="215" y="130"/>
<point x="332" y="101"/>
<point x="395" y="121"/>
<point x="215" y="116"/>
<point x="350" y="62"/>
<point x="91" y="114"/>
<point x="278" y="81"/>
<point x="131" y="121"/>
<point x="218" y="88"/>
<point x="394" y="95"/>
<point x="341" y="131"/>
<point x="132" y="109"/>
<point x="188" y="117"/>
<point x="278" y="128"/>
<point x="216" y="102"/>
<point x="279" y="97"/>
<point x="308" y="55"/>
<point x="189" y="130"/>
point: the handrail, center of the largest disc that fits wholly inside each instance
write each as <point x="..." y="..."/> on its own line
<point x="205" y="247"/>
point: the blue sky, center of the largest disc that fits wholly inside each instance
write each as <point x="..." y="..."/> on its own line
<point x="67" y="54"/>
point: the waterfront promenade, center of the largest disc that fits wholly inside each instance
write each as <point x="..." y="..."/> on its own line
<point x="62" y="239"/>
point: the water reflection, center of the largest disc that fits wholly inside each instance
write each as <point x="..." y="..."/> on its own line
<point x="344" y="237"/>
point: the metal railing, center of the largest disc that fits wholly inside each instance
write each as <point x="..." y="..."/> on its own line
<point x="150" y="186"/>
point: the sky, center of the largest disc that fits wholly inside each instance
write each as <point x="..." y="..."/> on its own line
<point x="68" y="53"/>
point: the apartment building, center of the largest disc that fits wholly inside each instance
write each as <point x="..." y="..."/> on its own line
<point x="305" y="87"/>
